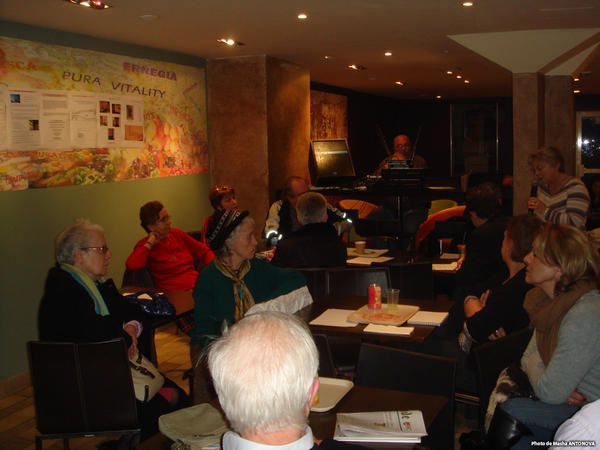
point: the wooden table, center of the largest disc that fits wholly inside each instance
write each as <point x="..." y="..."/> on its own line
<point x="359" y="399"/>
<point x="419" y="334"/>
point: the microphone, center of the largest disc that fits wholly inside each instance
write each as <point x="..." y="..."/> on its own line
<point x="532" y="193"/>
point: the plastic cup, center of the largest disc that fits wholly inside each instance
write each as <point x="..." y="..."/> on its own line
<point x="392" y="295"/>
<point x="360" y="247"/>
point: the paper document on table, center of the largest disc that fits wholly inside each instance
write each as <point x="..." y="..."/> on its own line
<point x="446" y="267"/>
<point x="449" y="256"/>
<point x="431" y="318"/>
<point x="381" y="426"/>
<point x="366" y="261"/>
<point x="368" y="253"/>
<point x="334" y="318"/>
<point x="388" y="329"/>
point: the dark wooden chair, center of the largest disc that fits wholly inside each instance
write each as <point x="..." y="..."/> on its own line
<point x="390" y="368"/>
<point x="141" y="278"/>
<point x="490" y="358"/>
<point x="356" y="280"/>
<point x="82" y="390"/>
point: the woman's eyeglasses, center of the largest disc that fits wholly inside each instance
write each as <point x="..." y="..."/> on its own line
<point x="104" y="249"/>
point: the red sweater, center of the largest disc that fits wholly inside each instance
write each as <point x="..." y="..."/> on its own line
<point x="172" y="260"/>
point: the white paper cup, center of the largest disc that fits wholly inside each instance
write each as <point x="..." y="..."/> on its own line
<point x="360" y="247"/>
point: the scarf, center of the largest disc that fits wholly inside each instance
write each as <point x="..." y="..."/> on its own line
<point x="242" y="295"/>
<point x="546" y="314"/>
<point x="88" y="284"/>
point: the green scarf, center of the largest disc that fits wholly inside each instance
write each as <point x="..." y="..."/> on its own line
<point x="88" y="284"/>
<point x="242" y="295"/>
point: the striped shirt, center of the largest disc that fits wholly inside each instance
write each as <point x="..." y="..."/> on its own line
<point x="568" y="206"/>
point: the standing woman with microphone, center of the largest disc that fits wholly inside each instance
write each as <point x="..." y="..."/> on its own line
<point x="561" y="198"/>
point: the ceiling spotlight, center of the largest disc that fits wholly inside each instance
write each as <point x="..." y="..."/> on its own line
<point x="459" y="76"/>
<point x="576" y="91"/>
<point x="467" y="81"/>
<point x="388" y="53"/>
<point x="229" y="41"/>
<point x="449" y="72"/>
<point x="576" y="79"/>
<point x="94" y="4"/>
<point x="438" y="97"/>
<point x="467" y="3"/>
<point x="356" y="67"/>
<point x="302" y="16"/>
<point x="399" y="83"/>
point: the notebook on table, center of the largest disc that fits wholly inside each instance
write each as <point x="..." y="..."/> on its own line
<point x="430" y="318"/>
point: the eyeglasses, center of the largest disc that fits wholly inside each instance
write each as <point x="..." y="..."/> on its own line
<point x="104" y="249"/>
<point x="164" y="219"/>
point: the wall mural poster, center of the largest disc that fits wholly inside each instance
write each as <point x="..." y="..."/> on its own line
<point x="71" y="116"/>
<point x="328" y="115"/>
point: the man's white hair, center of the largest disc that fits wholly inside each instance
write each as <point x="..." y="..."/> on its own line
<point x="263" y="369"/>
<point x="311" y="208"/>
<point x="72" y="238"/>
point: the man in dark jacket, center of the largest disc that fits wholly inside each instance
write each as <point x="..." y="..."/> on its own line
<point x="316" y="243"/>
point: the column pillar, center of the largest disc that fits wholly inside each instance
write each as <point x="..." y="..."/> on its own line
<point x="560" y="118"/>
<point x="528" y="132"/>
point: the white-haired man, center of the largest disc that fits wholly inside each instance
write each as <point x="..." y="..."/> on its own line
<point x="316" y="243"/>
<point x="264" y="370"/>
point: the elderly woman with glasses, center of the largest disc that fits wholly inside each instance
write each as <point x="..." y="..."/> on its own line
<point x="562" y="360"/>
<point x="172" y="256"/>
<point x="80" y="305"/>
<point x="233" y="283"/>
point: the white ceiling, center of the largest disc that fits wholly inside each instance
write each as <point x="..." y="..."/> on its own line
<point x="350" y="31"/>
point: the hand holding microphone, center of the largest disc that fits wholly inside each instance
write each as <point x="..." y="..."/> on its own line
<point x="532" y="201"/>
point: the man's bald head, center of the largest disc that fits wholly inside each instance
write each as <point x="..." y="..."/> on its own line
<point x="402" y="146"/>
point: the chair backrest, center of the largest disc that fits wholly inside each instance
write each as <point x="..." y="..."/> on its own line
<point x="415" y="280"/>
<point x="317" y="281"/>
<point x="83" y="387"/>
<point x="440" y="204"/>
<point x="141" y="278"/>
<point x="326" y="364"/>
<point x="356" y="280"/>
<point x="363" y="208"/>
<point x="429" y="225"/>
<point x="391" y="368"/>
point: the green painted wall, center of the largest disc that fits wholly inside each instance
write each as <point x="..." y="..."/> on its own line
<point x="30" y="220"/>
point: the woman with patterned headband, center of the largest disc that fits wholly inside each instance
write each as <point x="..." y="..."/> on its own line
<point x="234" y="282"/>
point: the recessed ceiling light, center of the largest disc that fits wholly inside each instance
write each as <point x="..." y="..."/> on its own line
<point x="148" y="17"/>
<point x="576" y="91"/>
<point x="459" y="76"/>
<point x="467" y="3"/>
<point x="388" y="53"/>
<point x="327" y="57"/>
<point x="399" y="83"/>
<point x="467" y="81"/>
<point x="94" y="4"/>
<point x="356" y="67"/>
<point x="229" y="41"/>
<point x="575" y="79"/>
<point x="438" y="96"/>
<point x="302" y="16"/>
<point x="449" y="72"/>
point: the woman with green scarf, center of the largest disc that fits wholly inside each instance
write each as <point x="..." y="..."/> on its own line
<point x="80" y="305"/>
<point x="231" y="284"/>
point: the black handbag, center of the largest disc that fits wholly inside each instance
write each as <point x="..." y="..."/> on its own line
<point x="152" y="303"/>
<point x="505" y="430"/>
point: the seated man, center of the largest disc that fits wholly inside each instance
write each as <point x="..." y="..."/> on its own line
<point x="316" y="243"/>
<point x="264" y="370"/>
<point x="170" y="254"/>
<point x="282" y="218"/>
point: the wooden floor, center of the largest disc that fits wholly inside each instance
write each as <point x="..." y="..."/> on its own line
<point x="17" y="413"/>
